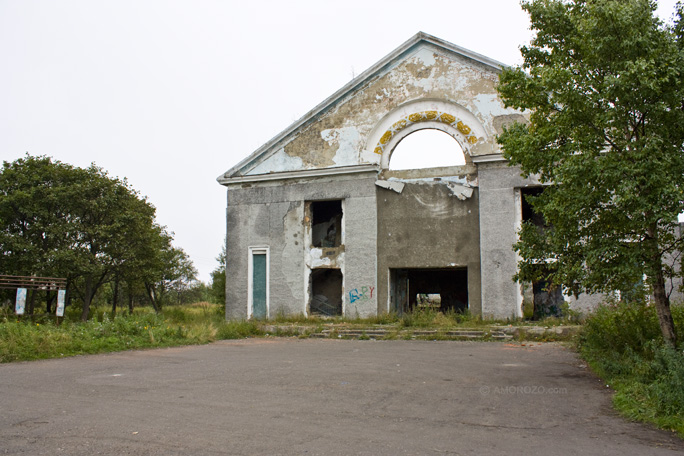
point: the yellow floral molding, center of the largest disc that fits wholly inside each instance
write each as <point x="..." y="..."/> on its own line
<point x="424" y="116"/>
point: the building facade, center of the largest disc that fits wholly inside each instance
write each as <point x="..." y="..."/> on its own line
<point x="319" y="222"/>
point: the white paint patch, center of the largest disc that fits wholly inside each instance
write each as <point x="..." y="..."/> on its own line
<point x="278" y="162"/>
<point x="489" y="104"/>
<point x="317" y="262"/>
<point x="460" y="191"/>
<point x="426" y="56"/>
<point x="394" y="186"/>
<point x="349" y="143"/>
<point x="316" y="259"/>
<point x="385" y="93"/>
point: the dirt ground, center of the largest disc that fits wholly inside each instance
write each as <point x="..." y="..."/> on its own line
<point x="319" y="397"/>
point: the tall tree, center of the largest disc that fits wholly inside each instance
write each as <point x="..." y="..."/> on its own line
<point x="61" y="220"/>
<point x="603" y="83"/>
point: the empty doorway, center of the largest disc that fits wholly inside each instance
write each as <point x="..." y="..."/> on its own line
<point x="326" y="292"/>
<point x="443" y="289"/>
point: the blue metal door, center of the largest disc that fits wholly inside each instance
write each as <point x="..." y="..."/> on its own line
<point x="259" y="285"/>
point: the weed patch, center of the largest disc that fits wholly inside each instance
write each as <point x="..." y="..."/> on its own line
<point x="41" y="337"/>
<point x="622" y="342"/>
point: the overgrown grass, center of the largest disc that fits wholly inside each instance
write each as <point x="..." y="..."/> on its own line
<point x="623" y="344"/>
<point x="39" y="337"/>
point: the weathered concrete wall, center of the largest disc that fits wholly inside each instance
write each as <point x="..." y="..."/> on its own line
<point x="499" y="219"/>
<point x="427" y="226"/>
<point x="272" y="215"/>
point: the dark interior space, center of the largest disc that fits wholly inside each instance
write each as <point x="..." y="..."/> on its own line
<point x="408" y="287"/>
<point x="326" y="292"/>
<point x="326" y="223"/>
<point x="547" y="297"/>
<point x="528" y="213"/>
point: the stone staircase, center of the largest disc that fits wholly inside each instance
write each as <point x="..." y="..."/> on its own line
<point x="501" y="333"/>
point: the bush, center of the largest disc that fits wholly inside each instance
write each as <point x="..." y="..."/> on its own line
<point x="622" y="342"/>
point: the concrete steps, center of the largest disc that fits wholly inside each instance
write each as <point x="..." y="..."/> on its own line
<point x="487" y="333"/>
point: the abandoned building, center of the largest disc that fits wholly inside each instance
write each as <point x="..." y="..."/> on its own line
<point x="319" y="221"/>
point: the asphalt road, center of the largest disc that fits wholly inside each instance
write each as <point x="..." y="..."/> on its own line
<point x="319" y="397"/>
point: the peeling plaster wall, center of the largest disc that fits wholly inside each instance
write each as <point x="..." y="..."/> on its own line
<point x="427" y="226"/>
<point x="272" y="214"/>
<point x="340" y="136"/>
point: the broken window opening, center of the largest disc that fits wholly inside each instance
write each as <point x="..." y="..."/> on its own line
<point x="528" y="212"/>
<point x="427" y="148"/>
<point x="439" y="289"/>
<point x="546" y="298"/>
<point x="326" y="292"/>
<point x="326" y="223"/>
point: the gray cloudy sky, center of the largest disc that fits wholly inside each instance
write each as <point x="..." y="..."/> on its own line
<point x="172" y="93"/>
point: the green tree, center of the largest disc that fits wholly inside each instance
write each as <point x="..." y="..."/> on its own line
<point x="218" y="278"/>
<point x="602" y="81"/>
<point x="61" y="220"/>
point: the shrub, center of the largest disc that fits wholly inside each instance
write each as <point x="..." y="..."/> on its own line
<point x="623" y="344"/>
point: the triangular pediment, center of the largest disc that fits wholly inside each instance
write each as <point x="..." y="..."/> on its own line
<point x="425" y="79"/>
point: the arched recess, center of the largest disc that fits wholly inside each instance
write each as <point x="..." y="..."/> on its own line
<point x="448" y="117"/>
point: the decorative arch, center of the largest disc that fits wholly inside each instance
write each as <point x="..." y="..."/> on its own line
<point x="420" y="117"/>
<point x="449" y="117"/>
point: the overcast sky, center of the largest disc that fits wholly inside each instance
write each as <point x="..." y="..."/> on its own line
<point x="170" y="94"/>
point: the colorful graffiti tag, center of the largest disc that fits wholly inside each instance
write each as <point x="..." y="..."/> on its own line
<point x="362" y="294"/>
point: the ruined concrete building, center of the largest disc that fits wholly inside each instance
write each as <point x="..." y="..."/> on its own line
<point x="319" y="222"/>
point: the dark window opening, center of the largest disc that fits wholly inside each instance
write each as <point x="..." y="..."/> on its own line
<point x="326" y="292"/>
<point x="528" y="212"/>
<point x="441" y="289"/>
<point x="326" y="223"/>
<point x="547" y="298"/>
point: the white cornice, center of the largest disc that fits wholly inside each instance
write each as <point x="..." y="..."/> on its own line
<point x="306" y="173"/>
<point x="489" y="158"/>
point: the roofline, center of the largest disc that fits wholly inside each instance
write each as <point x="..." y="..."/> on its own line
<point x="306" y="173"/>
<point x="358" y="81"/>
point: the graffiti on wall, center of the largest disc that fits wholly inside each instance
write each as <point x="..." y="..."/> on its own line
<point x="361" y="294"/>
